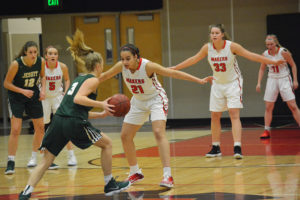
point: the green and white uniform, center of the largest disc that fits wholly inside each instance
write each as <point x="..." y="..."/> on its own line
<point x="70" y="122"/>
<point x="26" y="78"/>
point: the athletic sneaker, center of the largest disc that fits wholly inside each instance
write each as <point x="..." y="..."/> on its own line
<point x="72" y="161"/>
<point x="32" y="162"/>
<point x="214" y="152"/>
<point x="135" y="177"/>
<point x="167" y="182"/>
<point x="10" y="169"/>
<point x="23" y="196"/>
<point x="113" y="187"/>
<point x="237" y="152"/>
<point x="265" y="135"/>
<point x="53" y="166"/>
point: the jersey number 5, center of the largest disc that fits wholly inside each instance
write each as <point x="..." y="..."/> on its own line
<point x="51" y="86"/>
<point x="220" y="67"/>
<point x="137" y="89"/>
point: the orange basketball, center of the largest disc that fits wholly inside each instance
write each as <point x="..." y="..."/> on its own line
<point x="121" y="103"/>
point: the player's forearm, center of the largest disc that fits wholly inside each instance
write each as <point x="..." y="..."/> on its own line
<point x="294" y="71"/>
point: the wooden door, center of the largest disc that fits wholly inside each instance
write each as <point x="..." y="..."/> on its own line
<point x="146" y="36"/>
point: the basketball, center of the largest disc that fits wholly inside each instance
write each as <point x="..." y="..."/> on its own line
<point x="121" y="103"/>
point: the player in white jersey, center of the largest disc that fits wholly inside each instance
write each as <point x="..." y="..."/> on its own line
<point x="149" y="98"/>
<point x="279" y="81"/>
<point x="55" y="73"/>
<point x="226" y="90"/>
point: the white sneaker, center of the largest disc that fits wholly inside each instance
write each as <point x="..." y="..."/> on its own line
<point x="72" y="161"/>
<point x="32" y="162"/>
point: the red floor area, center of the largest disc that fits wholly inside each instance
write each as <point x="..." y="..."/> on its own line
<point x="282" y="142"/>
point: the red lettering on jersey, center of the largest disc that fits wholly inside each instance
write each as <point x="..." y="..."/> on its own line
<point x="216" y="59"/>
<point x="53" y="78"/>
<point x="136" y="81"/>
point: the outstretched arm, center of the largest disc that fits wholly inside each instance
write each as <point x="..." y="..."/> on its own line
<point x="194" y="59"/>
<point x="152" y="67"/>
<point x="288" y="57"/>
<point x="114" y="70"/>
<point x="241" y="51"/>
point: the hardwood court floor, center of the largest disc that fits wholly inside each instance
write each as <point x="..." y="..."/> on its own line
<point x="270" y="168"/>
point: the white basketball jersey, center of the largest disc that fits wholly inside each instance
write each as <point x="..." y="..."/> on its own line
<point x="223" y="63"/>
<point x="53" y="81"/>
<point x="140" y="85"/>
<point x="277" y="71"/>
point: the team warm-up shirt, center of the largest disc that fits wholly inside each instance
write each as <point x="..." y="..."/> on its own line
<point x="140" y="85"/>
<point x="274" y="70"/>
<point x="223" y="63"/>
<point x="70" y="109"/>
<point x="53" y="81"/>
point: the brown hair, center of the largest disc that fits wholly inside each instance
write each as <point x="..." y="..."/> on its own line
<point x="47" y="48"/>
<point x="25" y="48"/>
<point x="84" y="56"/>
<point x="222" y="29"/>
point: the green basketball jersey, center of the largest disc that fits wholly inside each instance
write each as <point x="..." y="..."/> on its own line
<point x="68" y="107"/>
<point x="27" y="78"/>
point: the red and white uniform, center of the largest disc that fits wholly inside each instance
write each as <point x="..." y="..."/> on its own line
<point x="279" y="79"/>
<point x="227" y="88"/>
<point x="149" y="97"/>
<point x="54" y="91"/>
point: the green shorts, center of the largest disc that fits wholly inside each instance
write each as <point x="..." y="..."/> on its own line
<point x="64" y="129"/>
<point x="33" y="108"/>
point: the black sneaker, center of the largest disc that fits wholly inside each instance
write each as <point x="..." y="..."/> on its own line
<point x="237" y="152"/>
<point x="113" y="187"/>
<point x="10" y="169"/>
<point x="23" y="196"/>
<point x="53" y="166"/>
<point x="214" y="152"/>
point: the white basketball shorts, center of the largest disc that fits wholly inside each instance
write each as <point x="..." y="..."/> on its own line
<point x="156" y="108"/>
<point x="50" y="105"/>
<point x="225" y="96"/>
<point x="284" y="86"/>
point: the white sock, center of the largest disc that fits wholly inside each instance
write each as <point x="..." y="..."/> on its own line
<point x="167" y="171"/>
<point x="216" y="143"/>
<point x="33" y="154"/>
<point x="107" y="178"/>
<point x="134" y="169"/>
<point x="12" y="158"/>
<point x="71" y="152"/>
<point x="237" y="144"/>
<point x="28" y="189"/>
<point x="267" y="128"/>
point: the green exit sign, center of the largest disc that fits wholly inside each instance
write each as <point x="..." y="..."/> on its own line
<point x="53" y="4"/>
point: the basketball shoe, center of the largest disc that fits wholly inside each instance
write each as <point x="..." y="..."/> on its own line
<point x="132" y="178"/>
<point x="10" y="169"/>
<point x="23" y="196"/>
<point x="53" y="166"/>
<point x="214" y="152"/>
<point x="113" y="187"/>
<point x="32" y="162"/>
<point x="167" y="182"/>
<point x="72" y="161"/>
<point x="237" y="152"/>
<point x="266" y="134"/>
